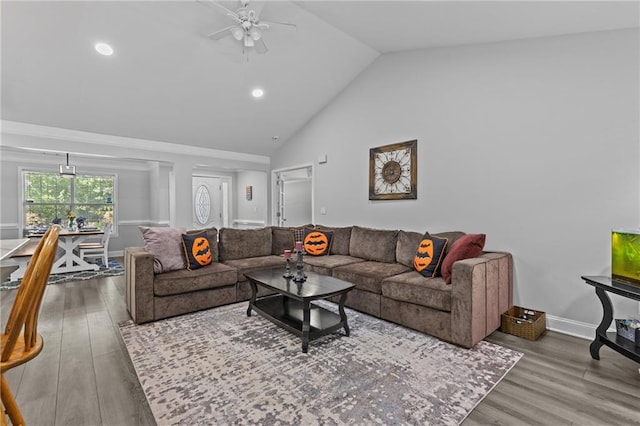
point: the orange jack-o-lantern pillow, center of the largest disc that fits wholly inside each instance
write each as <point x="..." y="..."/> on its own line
<point x="429" y="255"/>
<point x="197" y="251"/>
<point x="316" y="243"/>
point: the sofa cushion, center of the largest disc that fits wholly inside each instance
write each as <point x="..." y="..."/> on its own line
<point x="368" y="275"/>
<point x="451" y="236"/>
<point x="373" y="244"/>
<point x="325" y="264"/>
<point x="340" y="239"/>
<point x="316" y="242"/>
<point x="254" y="264"/>
<point x="412" y="287"/>
<point x="429" y="255"/>
<point x="197" y="251"/>
<point x="465" y="247"/>
<point x="165" y="244"/>
<point x="242" y="243"/>
<point x="406" y="247"/>
<point x="184" y="281"/>
<point x="280" y="240"/>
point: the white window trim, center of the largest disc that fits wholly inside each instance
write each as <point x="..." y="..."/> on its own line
<point x="21" y="203"/>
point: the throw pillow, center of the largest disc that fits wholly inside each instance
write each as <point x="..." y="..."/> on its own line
<point x="165" y="244"/>
<point x="297" y="234"/>
<point x="465" y="247"/>
<point x="429" y="255"/>
<point x="197" y="251"/>
<point x="316" y="242"/>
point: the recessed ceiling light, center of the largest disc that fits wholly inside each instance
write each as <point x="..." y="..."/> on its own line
<point x="104" y="49"/>
<point x="257" y="93"/>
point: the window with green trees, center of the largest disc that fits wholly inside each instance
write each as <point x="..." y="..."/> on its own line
<point x="50" y="198"/>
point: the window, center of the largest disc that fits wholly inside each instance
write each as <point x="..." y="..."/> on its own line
<point x="47" y="197"/>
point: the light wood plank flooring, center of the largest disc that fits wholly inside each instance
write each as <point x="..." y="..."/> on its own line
<point x="84" y="375"/>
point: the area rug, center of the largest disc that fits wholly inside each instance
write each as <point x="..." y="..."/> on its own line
<point x="113" y="269"/>
<point x="221" y="367"/>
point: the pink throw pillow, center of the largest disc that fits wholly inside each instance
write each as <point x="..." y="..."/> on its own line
<point x="465" y="247"/>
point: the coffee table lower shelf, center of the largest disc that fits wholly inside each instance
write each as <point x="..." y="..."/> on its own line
<point x="289" y="314"/>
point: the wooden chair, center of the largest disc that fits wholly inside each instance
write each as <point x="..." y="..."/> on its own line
<point x="20" y="341"/>
<point x="97" y="249"/>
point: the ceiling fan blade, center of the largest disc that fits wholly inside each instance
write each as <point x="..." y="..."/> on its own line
<point x="256" y="7"/>
<point x="294" y="26"/>
<point x="260" y="46"/>
<point x="219" y="7"/>
<point x="217" y="35"/>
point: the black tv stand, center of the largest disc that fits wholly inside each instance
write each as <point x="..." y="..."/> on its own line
<point x="619" y="344"/>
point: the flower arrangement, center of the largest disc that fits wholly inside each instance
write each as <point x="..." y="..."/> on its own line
<point x="71" y="216"/>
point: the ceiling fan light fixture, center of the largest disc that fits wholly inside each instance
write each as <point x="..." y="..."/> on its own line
<point x="255" y="33"/>
<point x="248" y="41"/>
<point x="237" y="33"/>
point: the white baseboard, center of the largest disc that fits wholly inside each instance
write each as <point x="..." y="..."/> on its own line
<point x="579" y="329"/>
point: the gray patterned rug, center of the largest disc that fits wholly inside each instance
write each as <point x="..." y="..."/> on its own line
<point x="113" y="269"/>
<point x="221" y="367"/>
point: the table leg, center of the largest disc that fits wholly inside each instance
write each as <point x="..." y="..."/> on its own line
<point x="343" y="315"/>
<point x="252" y="301"/>
<point x="607" y="317"/>
<point x="69" y="261"/>
<point x="306" y="325"/>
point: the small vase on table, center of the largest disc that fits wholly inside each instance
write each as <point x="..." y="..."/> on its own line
<point x="300" y="276"/>
<point x="287" y="270"/>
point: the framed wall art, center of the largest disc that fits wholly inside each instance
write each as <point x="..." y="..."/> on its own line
<point x="393" y="171"/>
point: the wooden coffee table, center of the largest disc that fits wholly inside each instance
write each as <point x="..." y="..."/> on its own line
<point x="291" y="306"/>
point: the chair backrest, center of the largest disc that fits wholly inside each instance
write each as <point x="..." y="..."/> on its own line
<point x="26" y="306"/>
<point x="106" y="235"/>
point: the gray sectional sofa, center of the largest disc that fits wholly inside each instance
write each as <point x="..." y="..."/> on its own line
<point x="379" y="263"/>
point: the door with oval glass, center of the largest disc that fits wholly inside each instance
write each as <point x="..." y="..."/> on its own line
<point x="210" y="202"/>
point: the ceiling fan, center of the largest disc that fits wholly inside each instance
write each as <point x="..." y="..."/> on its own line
<point x="248" y="28"/>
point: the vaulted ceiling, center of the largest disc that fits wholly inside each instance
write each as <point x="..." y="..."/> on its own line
<point x="168" y="82"/>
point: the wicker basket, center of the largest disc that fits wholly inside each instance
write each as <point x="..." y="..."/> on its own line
<point x="525" y="323"/>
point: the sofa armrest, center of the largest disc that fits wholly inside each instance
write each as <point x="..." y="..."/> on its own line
<point x="139" y="284"/>
<point x="482" y="289"/>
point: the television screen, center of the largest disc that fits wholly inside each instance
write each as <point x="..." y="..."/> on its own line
<point x="625" y="255"/>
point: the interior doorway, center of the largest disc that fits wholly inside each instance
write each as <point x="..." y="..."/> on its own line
<point x="210" y="197"/>
<point x="293" y="191"/>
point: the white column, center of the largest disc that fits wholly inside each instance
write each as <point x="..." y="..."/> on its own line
<point x="180" y="205"/>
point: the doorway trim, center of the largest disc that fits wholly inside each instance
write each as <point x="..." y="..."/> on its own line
<point x="275" y="193"/>
<point x="226" y="183"/>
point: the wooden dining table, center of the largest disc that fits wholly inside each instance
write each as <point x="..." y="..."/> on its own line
<point x="66" y="260"/>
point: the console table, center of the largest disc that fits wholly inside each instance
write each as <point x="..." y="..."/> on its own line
<point x="619" y="344"/>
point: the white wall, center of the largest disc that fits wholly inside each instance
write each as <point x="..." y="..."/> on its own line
<point x="133" y="194"/>
<point x="154" y="177"/>
<point x="255" y="209"/>
<point x="534" y="142"/>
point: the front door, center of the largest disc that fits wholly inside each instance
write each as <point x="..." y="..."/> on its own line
<point x="207" y="202"/>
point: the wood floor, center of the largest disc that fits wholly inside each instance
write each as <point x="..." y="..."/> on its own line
<point x="84" y="375"/>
